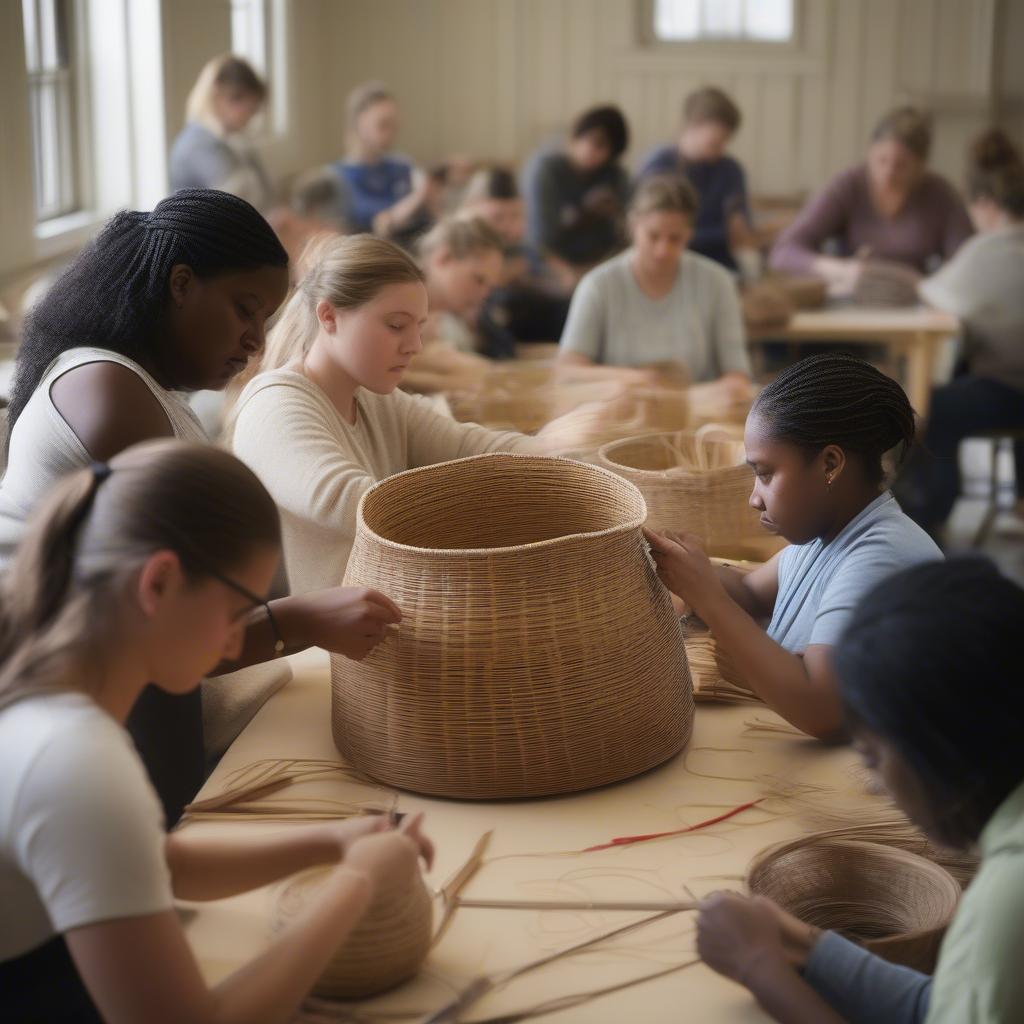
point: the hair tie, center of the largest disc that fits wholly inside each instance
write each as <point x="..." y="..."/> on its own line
<point x="100" y="471"/>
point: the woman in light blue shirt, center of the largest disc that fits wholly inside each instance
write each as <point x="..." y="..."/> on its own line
<point x="954" y="763"/>
<point x="815" y="438"/>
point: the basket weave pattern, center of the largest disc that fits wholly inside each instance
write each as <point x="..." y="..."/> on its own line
<point x="893" y="902"/>
<point x="537" y="654"/>
<point x="695" y="482"/>
<point x="386" y="947"/>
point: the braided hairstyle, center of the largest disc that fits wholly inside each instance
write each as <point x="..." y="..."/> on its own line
<point x="838" y="399"/>
<point x="114" y="294"/>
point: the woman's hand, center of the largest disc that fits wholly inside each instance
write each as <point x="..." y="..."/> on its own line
<point x="346" y="833"/>
<point x="685" y="569"/>
<point x="343" y="620"/>
<point x="740" y="935"/>
<point x="387" y="858"/>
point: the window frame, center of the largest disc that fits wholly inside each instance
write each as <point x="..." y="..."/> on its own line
<point x="722" y="46"/>
<point x="272" y="64"/>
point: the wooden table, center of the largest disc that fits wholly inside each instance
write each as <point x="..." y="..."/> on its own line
<point x="688" y="789"/>
<point x="914" y="334"/>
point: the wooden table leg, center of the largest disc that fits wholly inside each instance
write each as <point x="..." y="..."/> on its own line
<point x="920" y="354"/>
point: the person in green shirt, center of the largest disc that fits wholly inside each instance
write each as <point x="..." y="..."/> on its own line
<point x="929" y="677"/>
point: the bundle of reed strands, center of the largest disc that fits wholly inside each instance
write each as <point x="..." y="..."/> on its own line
<point x="715" y="677"/>
<point x="876" y="820"/>
<point x="387" y="946"/>
<point x="894" y="903"/>
<point x="263" y="790"/>
<point x="537" y="652"/>
<point x="696" y="482"/>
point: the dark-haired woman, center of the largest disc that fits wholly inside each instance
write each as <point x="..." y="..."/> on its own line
<point x="160" y="304"/>
<point x="955" y="766"/>
<point x="815" y="438"/>
<point x="576" y="195"/>
<point x="113" y="586"/>
<point x="983" y="285"/>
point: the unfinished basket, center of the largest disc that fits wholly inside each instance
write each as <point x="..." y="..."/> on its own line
<point x="386" y="948"/>
<point x="894" y="903"/>
<point x="696" y="482"/>
<point x="537" y="652"/>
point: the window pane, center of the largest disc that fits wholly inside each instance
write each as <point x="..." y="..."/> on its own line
<point x="769" y="19"/>
<point x="677" y="19"/>
<point x="48" y="35"/>
<point x="722" y="18"/>
<point x="28" y="16"/>
<point x="49" y="148"/>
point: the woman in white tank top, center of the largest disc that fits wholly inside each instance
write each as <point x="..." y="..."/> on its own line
<point x="161" y="304"/>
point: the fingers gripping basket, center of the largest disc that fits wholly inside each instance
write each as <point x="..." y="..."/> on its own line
<point x="893" y="902"/>
<point x="697" y="482"/>
<point x="538" y="652"/>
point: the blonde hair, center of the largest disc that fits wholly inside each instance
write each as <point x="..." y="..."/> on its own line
<point x="364" y="96"/>
<point x="665" y="193"/>
<point x="224" y="72"/>
<point x="95" y="528"/>
<point x="347" y="272"/>
<point x="462" y="235"/>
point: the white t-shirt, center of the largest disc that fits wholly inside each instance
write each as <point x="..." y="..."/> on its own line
<point x="81" y="829"/>
<point x="698" y="323"/>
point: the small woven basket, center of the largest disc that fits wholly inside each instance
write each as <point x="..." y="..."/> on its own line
<point x="387" y="946"/>
<point x="894" y="903"/>
<point x="696" y="482"/>
<point x="537" y="652"/>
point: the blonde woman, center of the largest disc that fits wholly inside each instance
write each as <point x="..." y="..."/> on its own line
<point x="657" y="302"/>
<point x="326" y="421"/>
<point x="113" y="587"/>
<point x="212" y="150"/>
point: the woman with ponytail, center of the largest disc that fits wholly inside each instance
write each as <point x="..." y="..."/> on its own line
<point x="111" y="588"/>
<point x="323" y="422"/>
<point x="158" y="305"/>
<point x="815" y="439"/>
<point x="982" y="285"/>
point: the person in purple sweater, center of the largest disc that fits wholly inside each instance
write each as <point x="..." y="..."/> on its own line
<point x="723" y="222"/>
<point x="891" y="208"/>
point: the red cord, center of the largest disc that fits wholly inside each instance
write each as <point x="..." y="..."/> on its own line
<point x="627" y="840"/>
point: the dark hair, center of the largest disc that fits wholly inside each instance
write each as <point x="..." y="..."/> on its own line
<point x="910" y="127"/>
<point x="929" y="662"/>
<point x="114" y="294"/>
<point x="610" y="122"/>
<point x="711" y="104"/>
<point x="240" y="76"/>
<point x="97" y="525"/>
<point x="837" y="399"/>
<point x="996" y="172"/>
<point x="492" y="183"/>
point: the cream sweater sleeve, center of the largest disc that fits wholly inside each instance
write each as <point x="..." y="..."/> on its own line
<point x="434" y="437"/>
<point x="289" y="441"/>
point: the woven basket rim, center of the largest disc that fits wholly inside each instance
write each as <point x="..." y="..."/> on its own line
<point x="895" y="853"/>
<point x="606" y="452"/>
<point x="622" y="528"/>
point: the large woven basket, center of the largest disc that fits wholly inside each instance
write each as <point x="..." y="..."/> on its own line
<point x="537" y="653"/>
<point x="894" y="903"/>
<point x="696" y="482"/>
<point x="387" y="946"/>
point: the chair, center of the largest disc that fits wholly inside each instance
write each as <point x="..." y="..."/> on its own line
<point x="1001" y="439"/>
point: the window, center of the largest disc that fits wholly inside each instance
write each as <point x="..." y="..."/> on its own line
<point x="249" y="32"/>
<point x="259" y="33"/>
<point x="761" y="21"/>
<point x="49" y="59"/>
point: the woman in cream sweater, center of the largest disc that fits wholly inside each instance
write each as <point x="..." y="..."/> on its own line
<point x="324" y="421"/>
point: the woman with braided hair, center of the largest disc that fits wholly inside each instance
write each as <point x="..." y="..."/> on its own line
<point x="815" y="439"/>
<point x="160" y="304"/>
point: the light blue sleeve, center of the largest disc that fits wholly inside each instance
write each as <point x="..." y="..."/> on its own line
<point x="586" y="324"/>
<point x="863" y="988"/>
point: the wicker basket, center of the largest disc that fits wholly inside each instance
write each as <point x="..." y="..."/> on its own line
<point x="386" y="948"/>
<point x="894" y="903"/>
<point x="538" y="652"/>
<point x="697" y="482"/>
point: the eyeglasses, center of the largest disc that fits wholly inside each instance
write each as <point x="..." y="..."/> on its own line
<point x="237" y="587"/>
